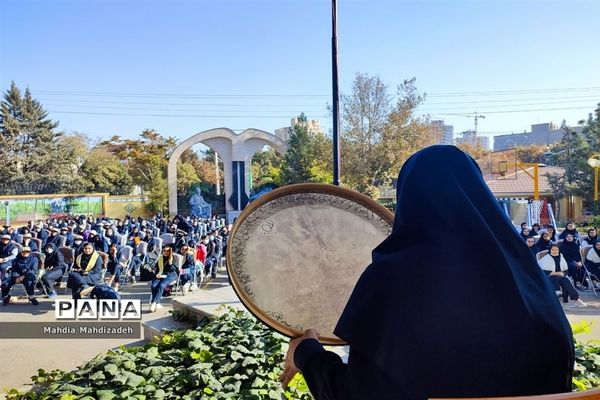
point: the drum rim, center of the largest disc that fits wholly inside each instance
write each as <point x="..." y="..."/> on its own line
<point x="349" y="194"/>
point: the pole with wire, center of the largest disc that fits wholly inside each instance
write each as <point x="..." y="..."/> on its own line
<point x="336" y="96"/>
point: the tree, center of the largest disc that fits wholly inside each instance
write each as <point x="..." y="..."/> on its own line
<point x="364" y="116"/>
<point x="104" y="173"/>
<point x="404" y="134"/>
<point x="377" y="137"/>
<point x="267" y="167"/>
<point x="35" y="157"/>
<point x="203" y="166"/>
<point x="305" y="159"/>
<point x="146" y="161"/>
<point x="571" y="153"/>
<point x="532" y="154"/>
<point x="591" y="130"/>
<point x="186" y="177"/>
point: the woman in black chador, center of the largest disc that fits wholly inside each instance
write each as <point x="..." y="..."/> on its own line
<point x="475" y="318"/>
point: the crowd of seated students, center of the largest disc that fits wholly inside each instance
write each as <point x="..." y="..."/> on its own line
<point x="563" y="263"/>
<point x="98" y="245"/>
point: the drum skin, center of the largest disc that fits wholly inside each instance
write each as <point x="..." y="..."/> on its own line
<point x="295" y="254"/>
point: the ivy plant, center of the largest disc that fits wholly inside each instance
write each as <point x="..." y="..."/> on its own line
<point x="230" y="357"/>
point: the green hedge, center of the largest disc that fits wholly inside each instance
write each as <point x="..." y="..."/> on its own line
<point x="231" y="357"/>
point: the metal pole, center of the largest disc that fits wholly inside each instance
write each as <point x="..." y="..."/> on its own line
<point x="7" y="212"/>
<point x="336" y="95"/>
<point x="217" y="186"/>
<point x="595" y="190"/>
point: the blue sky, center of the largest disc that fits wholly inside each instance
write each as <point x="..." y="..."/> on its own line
<point x="181" y="67"/>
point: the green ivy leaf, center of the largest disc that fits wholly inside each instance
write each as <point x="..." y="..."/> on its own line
<point x="111" y="369"/>
<point x="97" y="376"/>
<point x="105" y="394"/>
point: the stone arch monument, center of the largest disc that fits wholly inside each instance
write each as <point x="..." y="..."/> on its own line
<point x="236" y="151"/>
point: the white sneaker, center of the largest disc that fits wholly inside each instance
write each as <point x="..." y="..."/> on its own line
<point x="158" y="306"/>
<point x="186" y="288"/>
<point x="567" y="305"/>
<point x="152" y="307"/>
<point x="194" y="286"/>
<point x="580" y="303"/>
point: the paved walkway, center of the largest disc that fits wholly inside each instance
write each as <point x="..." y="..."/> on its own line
<point x="21" y="358"/>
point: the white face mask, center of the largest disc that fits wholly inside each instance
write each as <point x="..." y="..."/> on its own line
<point x="77" y="242"/>
<point x="49" y="250"/>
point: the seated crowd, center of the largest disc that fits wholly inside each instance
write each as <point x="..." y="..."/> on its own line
<point x="571" y="261"/>
<point x="90" y="252"/>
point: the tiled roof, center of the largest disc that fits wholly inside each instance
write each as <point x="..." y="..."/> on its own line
<point x="521" y="184"/>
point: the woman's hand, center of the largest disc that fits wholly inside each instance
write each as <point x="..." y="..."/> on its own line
<point x="289" y="368"/>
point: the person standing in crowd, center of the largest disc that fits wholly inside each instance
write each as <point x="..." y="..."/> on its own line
<point x="55" y="267"/>
<point x="508" y="337"/>
<point x="87" y="272"/>
<point x="23" y="270"/>
<point x="555" y="266"/>
<point x="535" y="229"/>
<point x="166" y="274"/>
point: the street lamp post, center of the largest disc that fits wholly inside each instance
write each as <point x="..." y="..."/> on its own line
<point x="6" y="204"/>
<point x="594" y="162"/>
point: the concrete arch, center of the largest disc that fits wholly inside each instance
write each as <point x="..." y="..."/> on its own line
<point x="236" y="151"/>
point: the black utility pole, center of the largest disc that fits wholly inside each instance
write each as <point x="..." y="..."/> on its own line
<point x="336" y="96"/>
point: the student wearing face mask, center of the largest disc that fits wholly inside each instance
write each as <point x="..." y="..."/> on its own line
<point x="54" y="236"/>
<point x="55" y="267"/>
<point x="28" y="242"/>
<point x="64" y="232"/>
<point x="77" y="244"/>
<point x="8" y="252"/>
<point x="24" y="270"/>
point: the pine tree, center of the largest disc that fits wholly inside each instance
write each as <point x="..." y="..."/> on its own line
<point x="35" y="158"/>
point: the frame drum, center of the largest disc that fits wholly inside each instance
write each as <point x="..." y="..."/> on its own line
<point x="295" y="254"/>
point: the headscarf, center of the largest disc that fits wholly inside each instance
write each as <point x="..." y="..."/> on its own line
<point x="523" y="235"/>
<point x="87" y="261"/>
<point x="54" y="259"/>
<point x="455" y="322"/>
<point x="591" y="240"/>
